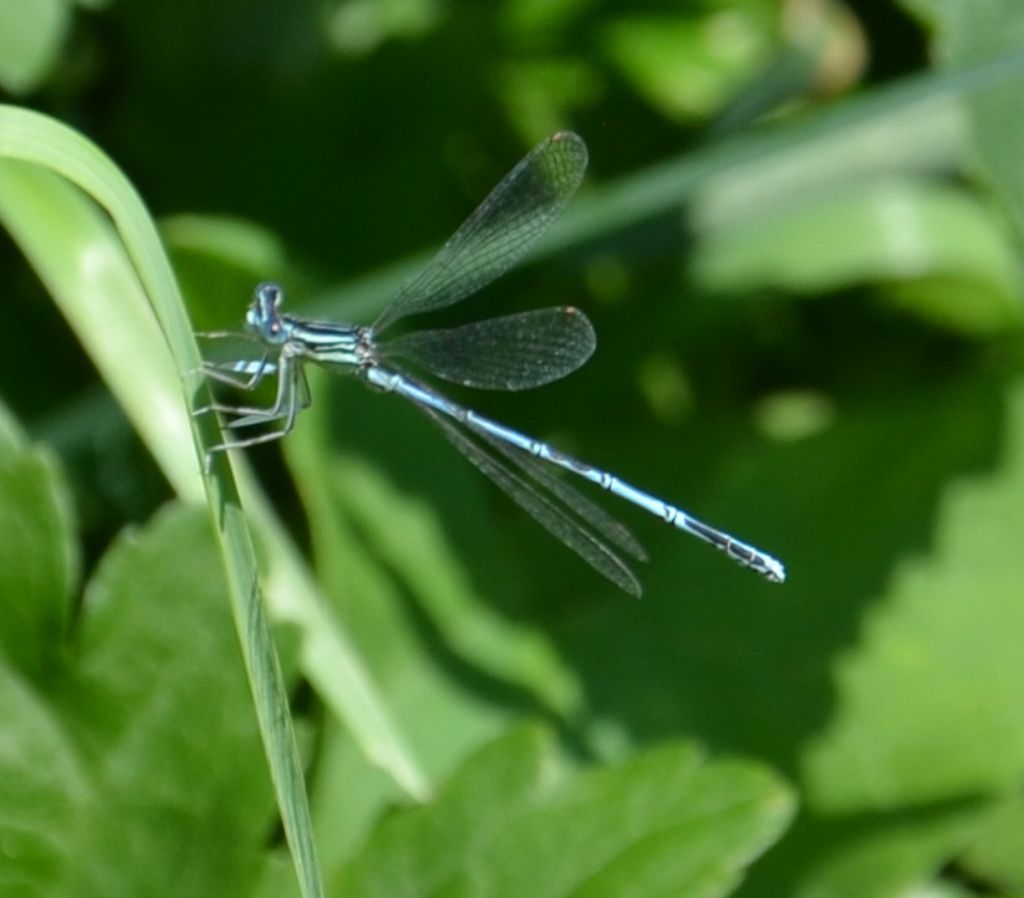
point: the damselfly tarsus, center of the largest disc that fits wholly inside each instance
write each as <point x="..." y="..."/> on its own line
<point x="513" y="352"/>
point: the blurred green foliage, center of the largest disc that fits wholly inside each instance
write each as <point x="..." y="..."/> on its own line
<point x="857" y="731"/>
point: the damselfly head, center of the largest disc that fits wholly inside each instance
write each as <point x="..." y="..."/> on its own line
<point x="264" y="316"/>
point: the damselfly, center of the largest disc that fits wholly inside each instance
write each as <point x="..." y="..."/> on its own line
<point x="512" y="352"/>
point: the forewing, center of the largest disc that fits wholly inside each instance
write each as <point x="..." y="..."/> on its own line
<point x="499" y="232"/>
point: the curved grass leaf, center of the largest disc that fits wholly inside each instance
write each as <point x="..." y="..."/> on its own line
<point x="152" y="394"/>
<point x="665" y="187"/>
<point x="33" y="138"/>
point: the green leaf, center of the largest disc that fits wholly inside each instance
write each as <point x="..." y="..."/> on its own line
<point x="86" y="269"/>
<point x="359" y="27"/>
<point x="883" y="856"/>
<point x="408" y="533"/>
<point x="31" y="36"/>
<point x="137" y="763"/>
<point x="913" y="125"/>
<point x="967" y="33"/>
<point x="515" y="821"/>
<point x="44" y="791"/>
<point x="524" y="20"/>
<point x="945" y="256"/>
<point x="741" y="662"/>
<point x="158" y="704"/>
<point x="117" y="340"/>
<point x="540" y="94"/>
<point x="38" y="556"/>
<point x="928" y="703"/>
<point x="81" y="262"/>
<point x="386" y="557"/>
<point x="994" y="853"/>
<point x="689" y="66"/>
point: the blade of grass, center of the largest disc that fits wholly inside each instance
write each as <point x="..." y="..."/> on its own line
<point x="35" y="139"/>
<point x="929" y="99"/>
<point x="75" y="252"/>
<point x="155" y="404"/>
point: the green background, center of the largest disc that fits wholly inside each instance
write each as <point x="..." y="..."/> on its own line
<point x="799" y="242"/>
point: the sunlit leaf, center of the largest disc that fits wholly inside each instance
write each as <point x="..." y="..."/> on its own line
<point x="928" y="704"/>
<point x="38" y="552"/>
<point x="943" y="255"/>
<point x="689" y="66"/>
<point x="31" y="36"/>
<point x="515" y="821"/>
<point x="115" y="778"/>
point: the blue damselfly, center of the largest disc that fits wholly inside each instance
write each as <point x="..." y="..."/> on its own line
<point x="512" y="352"/>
